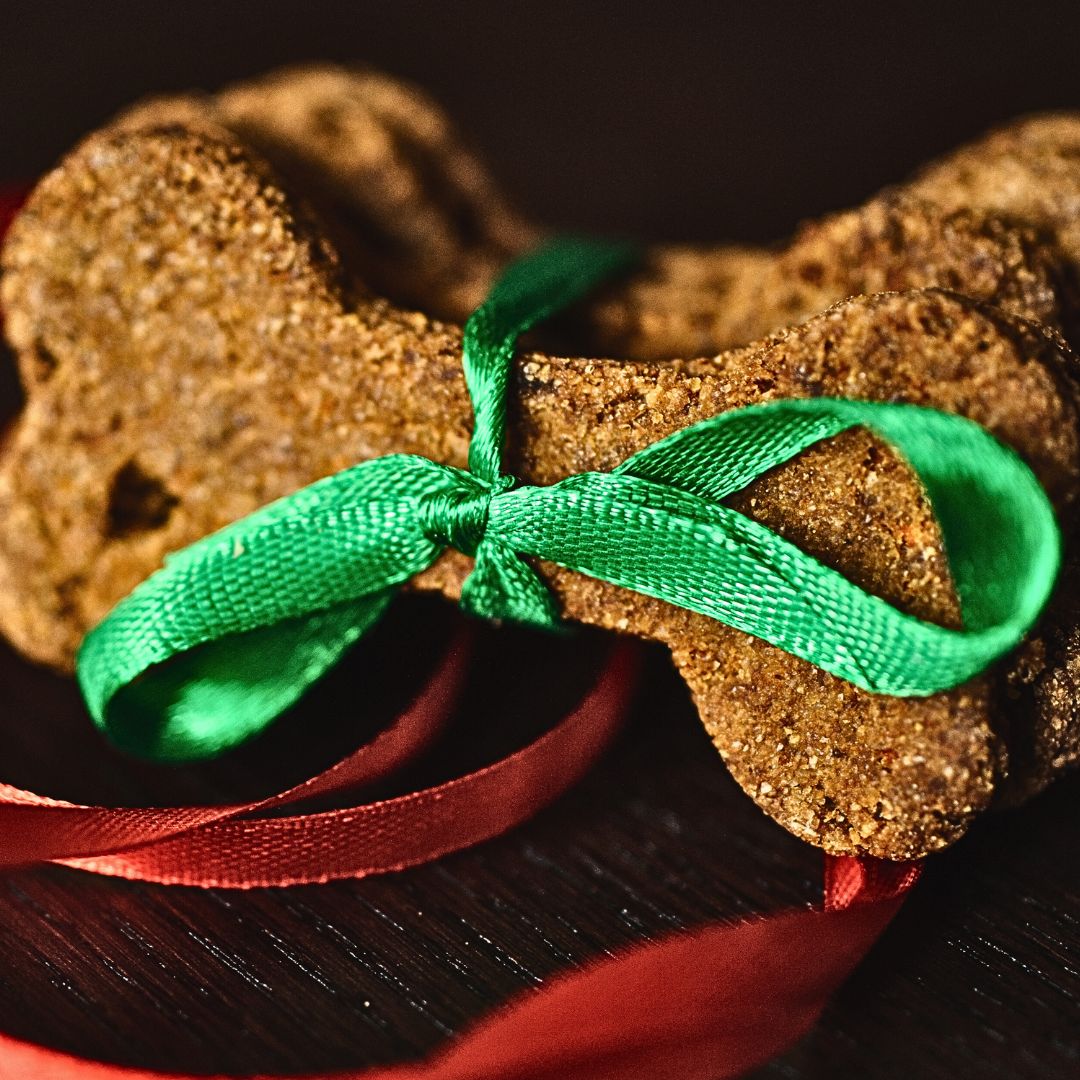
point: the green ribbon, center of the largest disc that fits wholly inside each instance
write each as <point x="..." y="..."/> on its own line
<point x="234" y="628"/>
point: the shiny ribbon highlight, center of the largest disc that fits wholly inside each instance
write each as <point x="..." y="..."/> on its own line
<point x="235" y="627"/>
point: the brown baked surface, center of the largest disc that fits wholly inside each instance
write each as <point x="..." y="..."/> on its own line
<point x="193" y="347"/>
<point x="998" y="220"/>
<point x="425" y="224"/>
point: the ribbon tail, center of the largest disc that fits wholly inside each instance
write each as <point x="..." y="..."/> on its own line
<point x="502" y="586"/>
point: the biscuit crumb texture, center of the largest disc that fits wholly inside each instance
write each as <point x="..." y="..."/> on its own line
<point x="197" y="341"/>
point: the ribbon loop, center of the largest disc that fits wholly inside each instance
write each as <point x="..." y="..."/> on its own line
<point x="654" y="526"/>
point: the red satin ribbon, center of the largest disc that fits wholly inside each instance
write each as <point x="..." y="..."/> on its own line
<point x="698" y="1005"/>
<point x="235" y="847"/>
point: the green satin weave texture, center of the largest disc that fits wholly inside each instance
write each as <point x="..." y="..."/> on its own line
<point x="237" y="626"/>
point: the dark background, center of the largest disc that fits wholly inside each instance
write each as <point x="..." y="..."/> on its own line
<point x="683" y="121"/>
<point x="695" y="121"/>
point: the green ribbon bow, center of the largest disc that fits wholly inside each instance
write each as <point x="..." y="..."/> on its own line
<point x="234" y="628"/>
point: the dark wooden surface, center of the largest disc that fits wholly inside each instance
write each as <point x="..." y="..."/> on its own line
<point x="702" y="123"/>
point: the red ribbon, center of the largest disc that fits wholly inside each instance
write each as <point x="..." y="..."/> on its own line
<point x="697" y="1005"/>
<point x="705" y="1005"/>
<point x="235" y="847"/>
<point x="694" y="1005"/>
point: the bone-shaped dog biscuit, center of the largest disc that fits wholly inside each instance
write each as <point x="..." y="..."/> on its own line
<point x="998" y="220"/>
<point x="194" y="351"/>
<point x="383" y="159"/>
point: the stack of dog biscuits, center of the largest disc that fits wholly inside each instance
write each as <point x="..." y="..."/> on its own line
<point x="217" y="300"/>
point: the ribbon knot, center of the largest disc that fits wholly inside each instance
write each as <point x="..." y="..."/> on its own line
<point x="234" y="628"/>
<point x="458" y="517"/>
